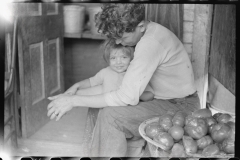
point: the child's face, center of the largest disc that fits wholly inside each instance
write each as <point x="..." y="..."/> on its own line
<point x="119" y="61"/>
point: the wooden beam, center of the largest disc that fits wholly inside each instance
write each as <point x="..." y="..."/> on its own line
<point x="201" y="44"/>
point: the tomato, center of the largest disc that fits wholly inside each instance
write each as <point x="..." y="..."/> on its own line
<point x="171" y="112"/>
<point x="195" y="127"/>
<point x="176" y="132"/>
<point x="210" y="121"/>
<point x="199" y="151"/>
<point x="211" y="150"/>
<point x="216" y="115"/>
<point x="224" y="118"/>
<point x="189" y="144"/>
<point x="232" y="131"/>
<point x="179" y="119"/>
<point x="204" y="142"/>
<point x="177" y="151"/>
<point x="210" y="128"/>
<point x="228" y="145"/>
<point x="231" y="124"/>
<point x="219" y="132"/>
<point x="153" y="129"/>
<point x="222" y="153"/>
<point x="180" y="142"/>
<point x="202" y="113"/>
<point x="162" y="153"/>
<point x="164" y="139"/>
<point x="165" y="121"/>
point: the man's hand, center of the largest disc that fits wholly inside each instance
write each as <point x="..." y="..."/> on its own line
<point x="59" y="106"/>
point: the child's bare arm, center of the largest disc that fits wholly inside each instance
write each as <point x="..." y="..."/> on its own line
<point x="90" y="91"/>
<point x="79" y="85"/>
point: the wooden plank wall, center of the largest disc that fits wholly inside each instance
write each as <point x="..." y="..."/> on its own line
<point x="2" y="50"/>
<point x="197" y="27"/>
<point x="188" y="21"/>
<point x="223" y="46"/>
<point x="168" y="15"/>
<point x="83" y="59"/>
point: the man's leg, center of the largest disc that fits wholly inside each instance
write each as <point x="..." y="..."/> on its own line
<point x="115" y="124"/>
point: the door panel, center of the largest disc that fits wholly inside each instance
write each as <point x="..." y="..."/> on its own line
<point x="54" y="66"/>
<point x="37" y="69"/>
<point x="40" y="58"/>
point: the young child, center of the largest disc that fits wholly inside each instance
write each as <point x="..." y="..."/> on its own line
<point x="110" y="78"/>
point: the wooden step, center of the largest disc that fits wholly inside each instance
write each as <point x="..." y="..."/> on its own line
<point x="29" y="147"/>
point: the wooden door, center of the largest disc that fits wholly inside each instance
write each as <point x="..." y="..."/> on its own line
<point x="40" y="43"/>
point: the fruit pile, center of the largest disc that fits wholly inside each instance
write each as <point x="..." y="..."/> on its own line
<point x="200" y="133"/>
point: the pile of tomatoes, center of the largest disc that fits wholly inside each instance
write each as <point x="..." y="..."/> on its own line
<point x="199" y="133"/>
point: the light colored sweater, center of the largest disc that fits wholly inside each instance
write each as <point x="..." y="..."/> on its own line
<point x="161" y="60"/>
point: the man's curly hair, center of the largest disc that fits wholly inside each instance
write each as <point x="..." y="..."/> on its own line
<point x="115" y="19"/>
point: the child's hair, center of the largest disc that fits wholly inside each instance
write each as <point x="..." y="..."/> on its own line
<point x="110" y="45"/>
<point x="115" y="19"/>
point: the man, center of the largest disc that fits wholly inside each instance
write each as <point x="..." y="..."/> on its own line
<point x="159" y="59"/>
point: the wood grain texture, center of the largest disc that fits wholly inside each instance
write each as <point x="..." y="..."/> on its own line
<point x="223" y="46"/>
<point x="84" y="59"/>
<point x="201" y="41"/>
<point x="35" y="64"/>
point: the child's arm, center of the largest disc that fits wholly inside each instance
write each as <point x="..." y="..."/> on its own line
<point x="90" y="91"/>
<point x="87" y="83"/>
<point x="147" y="96"/>
<point x="79" y="85"/>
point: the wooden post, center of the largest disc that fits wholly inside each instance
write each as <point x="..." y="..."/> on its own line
<point x="201" y="44"/>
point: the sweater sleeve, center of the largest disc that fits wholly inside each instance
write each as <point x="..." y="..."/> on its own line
<point x="148" y="54"/>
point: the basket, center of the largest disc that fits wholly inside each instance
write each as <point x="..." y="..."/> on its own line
<point x="74" y="16"/>
<point x="158" y="150"/>
<point x="215" y="156"/>
<point x="154" y="147"/>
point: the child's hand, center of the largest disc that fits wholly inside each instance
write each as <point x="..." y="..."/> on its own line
<point x="55" y="97"/>
<point x="71" y="91"/>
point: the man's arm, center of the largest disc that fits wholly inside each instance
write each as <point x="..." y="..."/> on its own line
<point x="93" y="101"/>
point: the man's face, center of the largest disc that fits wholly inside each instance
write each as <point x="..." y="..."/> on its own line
<point x="131" y="38"/>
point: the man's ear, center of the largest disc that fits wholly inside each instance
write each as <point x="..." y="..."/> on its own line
<point x="142" y="26"/>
